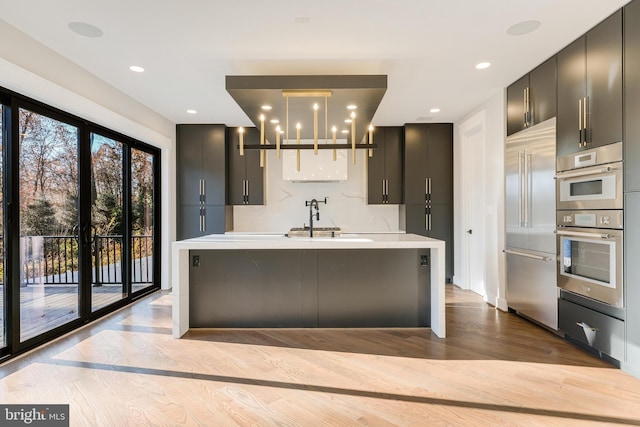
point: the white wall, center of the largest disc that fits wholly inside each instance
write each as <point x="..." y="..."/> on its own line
<point x="494" y="110"/>
<point x="346" y="206"/>
<point x="31" y="69"/>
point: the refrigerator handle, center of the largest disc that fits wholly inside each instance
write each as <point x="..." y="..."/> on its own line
<point x="519" y="189"/>
<point x="527" y="182"/>
<point x="528" y="255"/>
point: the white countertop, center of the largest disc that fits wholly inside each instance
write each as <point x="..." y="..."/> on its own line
<point x="280" y="241"/>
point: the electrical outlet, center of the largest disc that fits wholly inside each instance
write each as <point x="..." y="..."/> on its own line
<point x="424" y="260"/>
<point x="196" y="260"/>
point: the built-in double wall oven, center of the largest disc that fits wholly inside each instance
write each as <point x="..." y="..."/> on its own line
<point x="590" y="224"/>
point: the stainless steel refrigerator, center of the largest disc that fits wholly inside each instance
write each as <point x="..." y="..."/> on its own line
<point x="530" y="164"/>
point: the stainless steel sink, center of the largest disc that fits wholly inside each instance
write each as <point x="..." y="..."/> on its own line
<point x="317" y="232"/>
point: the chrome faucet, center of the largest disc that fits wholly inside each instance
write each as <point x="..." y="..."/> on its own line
<point x="313" y="203"/>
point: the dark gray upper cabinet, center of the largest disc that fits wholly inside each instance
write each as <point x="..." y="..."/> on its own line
<point x="632" y="96"/>
<point x="590" y="89"/>
<point x="201" y="164"/>
<point x="201" y="175"/>
<point x="428" y="163"/>
<point x="532" y="99"/>
<point x="384" y="168"/>
<point x="428" y="183"/>
<point x="246" y="177"/>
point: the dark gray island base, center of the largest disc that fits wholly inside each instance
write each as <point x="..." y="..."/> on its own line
<point x="300" y="288"/>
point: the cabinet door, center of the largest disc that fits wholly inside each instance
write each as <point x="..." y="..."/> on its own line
<point x="189" y="221"/>
<point x="236" y="167"/>
<point x="438" y="225"/>
<point x="254" y="174"/>
<point x="214" y="219"/>
<point x="632" y="278"/>
<point x="571" y="90"/>
<point x="376" y="169"/>
<point x="415" y="161"/>
<point x="516" y="105"/>
<point x="440" y="162"/>
<point x="604" y="81"/>
<point x="189" y="149"/>
<point x="393" y="164"/>
<point x="632" y="95"/>
<point x="214" y="164"/>
<point x="542" y="93"/>
<point x="442" y="229"/>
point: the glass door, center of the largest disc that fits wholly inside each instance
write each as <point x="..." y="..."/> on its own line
<point x="3" y="296"/>
<point x="142" y="219"/>
<point x="48" y="192"/>
<point x="107" y="226"/>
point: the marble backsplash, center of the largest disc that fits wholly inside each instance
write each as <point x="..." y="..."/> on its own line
<point x="346" y="206"/>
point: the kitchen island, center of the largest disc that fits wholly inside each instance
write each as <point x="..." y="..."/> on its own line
<point x="269" y="280"/>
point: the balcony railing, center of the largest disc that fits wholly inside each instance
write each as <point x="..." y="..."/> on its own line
<point x="53" y="260"/>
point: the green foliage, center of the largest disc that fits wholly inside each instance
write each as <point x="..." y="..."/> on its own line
<point x="39" y="219"/>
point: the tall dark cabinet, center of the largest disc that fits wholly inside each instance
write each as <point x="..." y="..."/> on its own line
<point x="590" y="89"/>
<point x="532" y="98"/>
<point x="246" y="177"/>
<point x="631" y="148"/>
<point x="385" y="167"/>
<point x="201" y="173"/>
<point x="428" y="183"/>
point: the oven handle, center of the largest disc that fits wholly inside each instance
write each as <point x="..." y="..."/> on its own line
<point x="524" y="254"/>
<point x="563" y="175"/>
<point x="583" y="234"/>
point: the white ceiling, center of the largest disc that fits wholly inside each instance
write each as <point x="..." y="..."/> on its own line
<point x="428" y="48"/>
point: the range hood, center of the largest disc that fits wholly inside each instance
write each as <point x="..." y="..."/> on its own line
<point x="333" y="93"/>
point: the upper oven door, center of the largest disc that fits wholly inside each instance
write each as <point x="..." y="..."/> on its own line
<point x="597" y="187"/>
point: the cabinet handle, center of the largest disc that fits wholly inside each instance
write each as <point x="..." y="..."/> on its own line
<point x="580" y="123"/>
<point x="585" y="120"/>
<point x="585" y="326"/>
<point x="200" y="220"/>
<point x="524" y="106"/>
<point x="204" y="218"/>
<point x="247" y="191"/>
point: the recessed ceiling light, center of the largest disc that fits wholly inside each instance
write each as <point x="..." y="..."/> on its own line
<point x="266" y="107"/>
<point x="344" y="131"/>
<point x="192" y="112"/>
<point x="524" y="27"/>
<point x="483" y="65"/>
<point x="84" y="29"/>
<point x="137" y="69"/>
<point x="434" y="110"/>
<point x="274" y="121"/>
<point x="347" y="120"/>
<point x="351" y="107"/>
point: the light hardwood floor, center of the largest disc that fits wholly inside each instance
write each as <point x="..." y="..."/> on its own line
<point x="493" y="369"/>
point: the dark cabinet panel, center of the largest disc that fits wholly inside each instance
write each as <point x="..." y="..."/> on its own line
<point x="201" y="175"/>
<point x="428" y="183"/>
<point x="516" y="105"/>
<point x="632" y="278"/>
<point x="384" y="168"/>
<point x="246" y="177"/>
<point x="532" y="99"/>
<point x="543" y="93"/>
<point x="632" y="96"/>
<point x="590" y="89"/>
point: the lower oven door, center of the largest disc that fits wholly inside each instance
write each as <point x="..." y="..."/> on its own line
<point x="590" y="263"/>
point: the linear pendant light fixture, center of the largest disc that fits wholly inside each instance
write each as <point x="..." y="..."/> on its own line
<point x="303" y="96"/>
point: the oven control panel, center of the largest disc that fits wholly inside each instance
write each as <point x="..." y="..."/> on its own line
<point x="590" y="219"/>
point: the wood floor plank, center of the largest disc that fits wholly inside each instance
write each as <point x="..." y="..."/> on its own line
<point x="493" y="368"/>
